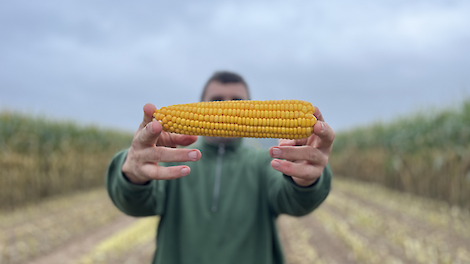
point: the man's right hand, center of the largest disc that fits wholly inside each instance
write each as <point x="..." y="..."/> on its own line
<point x="152" y="145"/>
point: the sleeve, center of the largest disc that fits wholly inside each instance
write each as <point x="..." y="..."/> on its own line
<point x="286" y="197"/>
<point x="133" y="199"/>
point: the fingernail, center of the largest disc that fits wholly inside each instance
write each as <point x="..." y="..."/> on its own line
<point x="322" y="127"/>
<point x="184" y="171"/>
<point x="149" y="127"/>
<point x="192" y="155"/>
<point x="275" y="164"/>
<point x="277" y="152"/>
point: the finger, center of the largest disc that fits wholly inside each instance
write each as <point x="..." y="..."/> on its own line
<point x="318" y="114"/>
<point x="286" y="142"/>
<point x="308" y="153"/>
<point x="325" y="134"/>
<point x="156" y="172"/>
<point x="183" y="140"/>
<point x="172" y="140"/>
<point x="149" y="109"/>
<point x="164" y="154"/>
<point x="292" y="142"/>
<point x="300" y="170"/>
<point x="148" y="136"/>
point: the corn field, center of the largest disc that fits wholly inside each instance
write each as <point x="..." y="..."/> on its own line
<point x="41" y="158"/>
<point x="54" y="209"/>
<point x="427" y="154"/>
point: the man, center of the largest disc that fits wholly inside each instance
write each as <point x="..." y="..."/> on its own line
<point x="219" y="199"/>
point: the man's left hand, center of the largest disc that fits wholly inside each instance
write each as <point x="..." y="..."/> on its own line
<point x="305" y="159"/>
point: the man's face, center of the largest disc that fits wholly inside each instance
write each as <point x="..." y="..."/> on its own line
<point x="217" y="91"/>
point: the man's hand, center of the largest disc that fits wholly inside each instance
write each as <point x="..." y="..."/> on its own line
<point x="305" y="158"/>
<point x="150" y="146"/>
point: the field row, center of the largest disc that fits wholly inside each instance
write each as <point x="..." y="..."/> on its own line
<point x="366" y="223"/>
<point x="358" y="223"/>
<point x="38" y="230"/>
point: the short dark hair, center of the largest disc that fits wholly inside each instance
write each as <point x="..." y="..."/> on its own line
<point x="225" y="77"/>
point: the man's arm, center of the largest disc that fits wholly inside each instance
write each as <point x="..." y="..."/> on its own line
<point x="133" y="199"/>
<point x="287" y="197"/>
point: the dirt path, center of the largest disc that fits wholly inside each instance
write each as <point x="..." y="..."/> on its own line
<point x="330" y="248"/>
<point x="305" y="240"/>
<point x="348" y="228"/>
<point x="72" y="250"/>
<point x="354" y="226"/>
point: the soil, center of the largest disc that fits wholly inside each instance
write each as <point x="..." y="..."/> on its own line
<point x="307" y="239"/>
<point x="73" y="250"/>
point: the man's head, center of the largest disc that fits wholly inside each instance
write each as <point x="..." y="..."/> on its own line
<point x="223" y="86"/>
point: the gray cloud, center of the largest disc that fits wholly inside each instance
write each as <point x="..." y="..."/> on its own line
<point x="358" y="61"/>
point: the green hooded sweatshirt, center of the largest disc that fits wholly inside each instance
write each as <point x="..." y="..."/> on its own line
<point x="224" y="211"/>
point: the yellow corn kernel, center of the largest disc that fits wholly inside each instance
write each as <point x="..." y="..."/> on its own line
<point x="289" y="119"/>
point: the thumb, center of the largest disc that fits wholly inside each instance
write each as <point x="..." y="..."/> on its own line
<point x="325" y="134"/>
<point x="148" y="136"/>
<point x="149" y="109"/>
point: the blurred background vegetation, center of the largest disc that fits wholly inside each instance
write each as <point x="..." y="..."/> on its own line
<point x="40" y="158"/>
<point x="426" y="153"/>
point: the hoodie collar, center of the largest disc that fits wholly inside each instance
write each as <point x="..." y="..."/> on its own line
<point x="213" y="147"/>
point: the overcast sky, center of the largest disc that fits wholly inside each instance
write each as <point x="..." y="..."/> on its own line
<point x="99" y="62"/>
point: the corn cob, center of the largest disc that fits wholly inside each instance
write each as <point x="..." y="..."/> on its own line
<point x="289" y="119"/>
